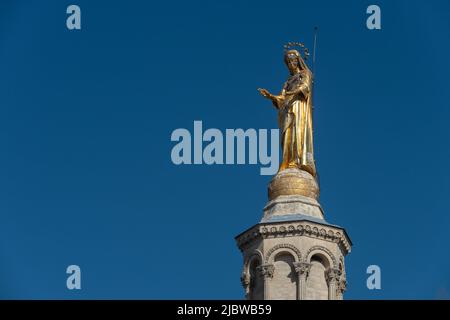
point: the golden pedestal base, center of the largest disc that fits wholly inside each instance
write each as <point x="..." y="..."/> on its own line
<point x="292" y="181"/>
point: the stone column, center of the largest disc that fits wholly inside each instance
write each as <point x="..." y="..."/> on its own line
<point x="245" y="281"/>
<point x="266" y="270"/>
<point x="342" y="286"/>
<point x="332" y="279"/>
<point x="302" y="269"/>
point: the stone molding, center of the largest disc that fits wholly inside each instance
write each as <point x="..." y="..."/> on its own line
<point x="291" y="229"/>
<point x="283" y="246"/>
<point x="327" y="251"/>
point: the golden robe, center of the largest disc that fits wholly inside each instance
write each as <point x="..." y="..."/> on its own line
<point x="295" y="122"/>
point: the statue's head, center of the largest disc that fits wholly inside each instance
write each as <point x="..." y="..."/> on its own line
<point x="294" y="59"/>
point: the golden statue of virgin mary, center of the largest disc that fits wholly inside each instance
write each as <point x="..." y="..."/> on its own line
<point x="294" y="105"/>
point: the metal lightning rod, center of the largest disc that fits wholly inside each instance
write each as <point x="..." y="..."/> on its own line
<point x="314" y="64"/>
<point x="314" y="52"/>
<point x="313" y="81"/>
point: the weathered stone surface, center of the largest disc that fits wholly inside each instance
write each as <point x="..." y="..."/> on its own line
<point x="294" y="259"/>
<point x="293" y="253"/>
<point x="292" y="205"/>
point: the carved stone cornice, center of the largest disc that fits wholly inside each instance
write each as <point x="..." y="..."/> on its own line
<point x="293" y="229"/>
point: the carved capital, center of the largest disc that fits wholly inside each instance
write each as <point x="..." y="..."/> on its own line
<point x="266" y="270"/>
<point x="302" y="268"/>
<point x="333" y="275"/>
<point x="342" y="284"/>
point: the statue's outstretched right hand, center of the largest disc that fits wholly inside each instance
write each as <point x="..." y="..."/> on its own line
<point x="264" y="93"/>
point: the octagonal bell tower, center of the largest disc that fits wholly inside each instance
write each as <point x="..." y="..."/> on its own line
<point x="293" y="252"/>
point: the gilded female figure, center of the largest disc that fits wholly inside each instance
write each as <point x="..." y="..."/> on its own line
<point x="294" y="105"/>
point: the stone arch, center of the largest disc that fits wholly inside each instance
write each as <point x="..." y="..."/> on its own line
<point x="332" y="262"/>
<point x="289" y="248"/>
<point x="341" y="266"/>
<point x="341" y="263"/>
<point x="256" y="254"/>
<point x="317" y="284"/>
<point x="284" y="284"/>
<point x="250" y="278"/>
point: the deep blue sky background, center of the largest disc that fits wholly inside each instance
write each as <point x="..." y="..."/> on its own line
<point x="85" y="121"/>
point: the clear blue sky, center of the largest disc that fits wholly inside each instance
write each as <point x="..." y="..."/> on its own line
<point x="85" y="121"/>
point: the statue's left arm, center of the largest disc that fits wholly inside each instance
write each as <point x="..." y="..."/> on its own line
<point x="303" y="88"/>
